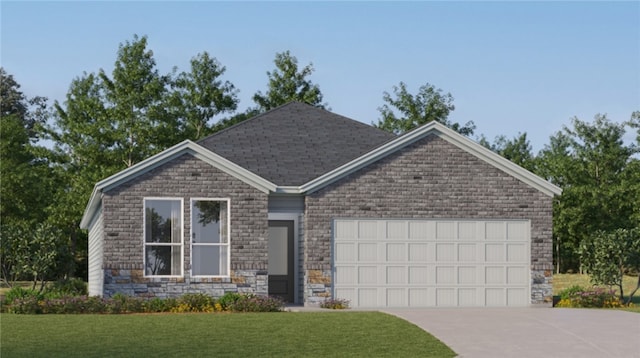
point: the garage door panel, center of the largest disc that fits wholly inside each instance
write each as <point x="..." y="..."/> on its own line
<point x="367" y="252"/>
<point x="368" y="297"/>
<point x="396" y="275"/>
<point x="396" y="252"/>
<point x="445" y="275"/>
<point x="446" y="297"/>
<point x="419" y="275"/>
<point x="421" y="230"/>
<point x="345" y="252"/>
<point x="467" y="253"/>
<point x="419" y="252"/>
<point x="494" y="253"/>
<point x="495" y="231"/>
<point x="445" y="252"/>
<point x="396" y="297"/>
<point x="368" y="230"/>
<point x="494" y="275"/>
<point x="367" y="275"/>
<point x="445" y="230"/>
<point x="495" y="297"/>
<point x="467" y="231"/>
<point x="467" y="297"/>
<point x="516" y="253"/>
<point x="467" y="275"/>
<point x="396" y="230"/>
<point x="346" y="275"/>
<point x="427" y="263"/>
<point x="345" y="229"/>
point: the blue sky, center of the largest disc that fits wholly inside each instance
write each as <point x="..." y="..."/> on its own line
<point x="511" y="66"/>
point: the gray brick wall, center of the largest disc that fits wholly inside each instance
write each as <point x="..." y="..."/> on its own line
<point x="429" y="179"/>
<point x="185" y="177"/>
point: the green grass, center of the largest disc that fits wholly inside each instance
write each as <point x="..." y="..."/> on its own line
<point x="317" y="334"/>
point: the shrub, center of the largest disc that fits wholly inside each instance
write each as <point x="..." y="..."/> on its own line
<point x="593" y="298"/>
<point x="227" y="300"/>
<point x="254" y="303"/>
<point x="71" y="287"/>
<point x="568" y="292"/>
<point x="335" y="304"/>
<point x="18" y="292"/>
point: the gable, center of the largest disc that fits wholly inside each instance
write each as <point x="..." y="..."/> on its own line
<point x="295" y="143"/>
<point x="441" y="131"/>
<point x="186" y="147"/>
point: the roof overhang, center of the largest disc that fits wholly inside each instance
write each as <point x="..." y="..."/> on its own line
<point x="186" y="147"/>
<point x="440" y="130"/>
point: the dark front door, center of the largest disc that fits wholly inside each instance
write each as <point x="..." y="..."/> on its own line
<point x="281" y="259"/>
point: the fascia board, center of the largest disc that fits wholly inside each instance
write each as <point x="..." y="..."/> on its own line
<point x="185" y="147"/>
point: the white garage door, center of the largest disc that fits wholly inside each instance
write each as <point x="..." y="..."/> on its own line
<point x="429" y="263"/>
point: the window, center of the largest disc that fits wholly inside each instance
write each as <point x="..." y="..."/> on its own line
<point x="210" y="237"/>
<point x="163" y="237"/>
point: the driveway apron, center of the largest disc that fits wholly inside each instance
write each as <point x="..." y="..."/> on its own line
<point x="531" y="332"/>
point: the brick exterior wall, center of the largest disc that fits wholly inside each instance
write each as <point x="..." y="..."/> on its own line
<point x="185" y="177"/>
<point x="429" y="179"/>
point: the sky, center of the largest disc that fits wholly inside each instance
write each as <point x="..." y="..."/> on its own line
<point x="511" y="67"/>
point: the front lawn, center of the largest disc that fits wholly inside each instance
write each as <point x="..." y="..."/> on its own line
<point x="313" y="334"/>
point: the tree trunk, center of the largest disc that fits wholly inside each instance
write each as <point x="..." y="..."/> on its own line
<point x="634" y="291"/>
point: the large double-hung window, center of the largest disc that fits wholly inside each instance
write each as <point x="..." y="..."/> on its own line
<point x="209" y="237"/>
<point x="163" y="237"/>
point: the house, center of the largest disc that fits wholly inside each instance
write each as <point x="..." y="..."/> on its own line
<point x="305" y="204"/>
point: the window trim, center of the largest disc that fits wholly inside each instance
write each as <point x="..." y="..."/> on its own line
<point x="227" y="244"/>
<point x="144" y="236"/>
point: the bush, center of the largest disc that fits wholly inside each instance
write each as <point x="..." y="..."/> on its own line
<point x="593" y="298"/>
<point x="335" y="304"/>
<point x="568" y="292"/>
<point x="24" y="301"/>
<point x="194" y="302"/>
<point x="70" y="287"/>
<point x="228" y="300"/>
<point x="254" y="303"/>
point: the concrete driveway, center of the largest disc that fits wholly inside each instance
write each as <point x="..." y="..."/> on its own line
<point x="531" y="332"/>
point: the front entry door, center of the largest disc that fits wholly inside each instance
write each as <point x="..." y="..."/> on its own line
<point x="281" y="259"/>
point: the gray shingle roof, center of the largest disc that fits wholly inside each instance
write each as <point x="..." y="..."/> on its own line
<point x="295" y="143"/>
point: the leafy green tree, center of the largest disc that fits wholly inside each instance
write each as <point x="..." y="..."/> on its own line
<point x="106" y="124"/>
<point x="200" y="96"/>
<point x="517" y="150"/>
<point x="403" y="111"/>
<point x="288" y="83"/>
<point x="33" y="253"/>
<point x="135" y="97"/>
<point x="607" y="256"/>
<point x="28" y="182"/>
<point x="592" y="164"/>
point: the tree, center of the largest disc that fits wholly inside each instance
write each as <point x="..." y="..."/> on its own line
<point x="34" y="254"/>
<point x="607" y="256"/>
<point x="28" y="183"/>
<point x="135" y="97"/>
<point x="517" y="150"/>
<point x="200" y="96"/>
<point x="106" y="124"/>
<point x="593" y="166"/>
<point x="430" y="104"/>
<point x="288" y="83"/>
